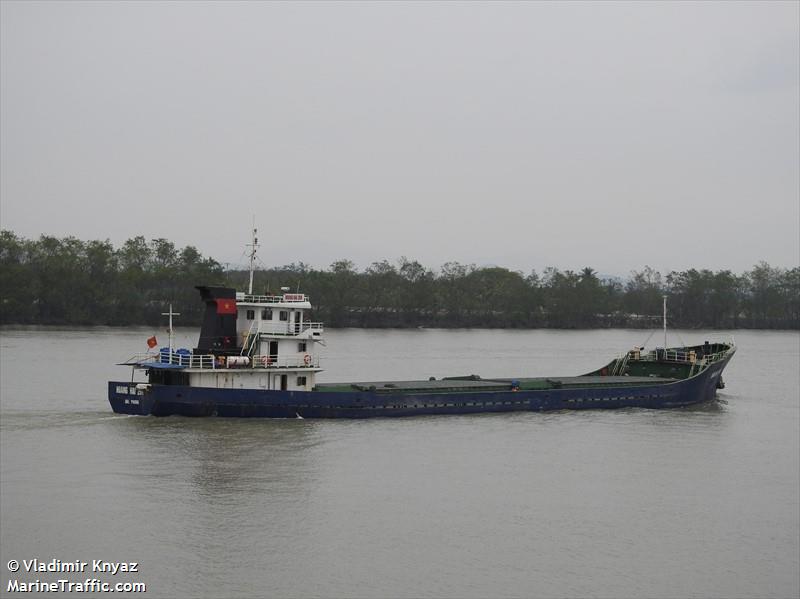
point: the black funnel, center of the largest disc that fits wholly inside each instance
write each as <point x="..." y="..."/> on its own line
<point x="218" y="334"/>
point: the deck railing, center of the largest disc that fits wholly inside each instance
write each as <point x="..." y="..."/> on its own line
<point x="711" y="358"/>
<point x="288" y="298"/>
<point x="682" y="357"/>
<point x="190" y="360"/>
<point x="287" y="328"/>
<point x="210" y="362"/>
<point x="303" y="361"/>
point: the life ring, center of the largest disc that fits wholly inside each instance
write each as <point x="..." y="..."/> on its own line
<point x="264" y="360"/>
<point x="307" y="359"/>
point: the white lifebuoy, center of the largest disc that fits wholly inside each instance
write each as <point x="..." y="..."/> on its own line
<point x="264" y="360"/>
<point x="307" y="359"/>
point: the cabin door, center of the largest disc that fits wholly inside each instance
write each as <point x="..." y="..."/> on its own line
<point x="273" y="351"/>
<point x="284" y="382"/>
<point x="297" y="322"/>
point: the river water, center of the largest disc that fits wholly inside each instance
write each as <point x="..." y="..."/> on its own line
<point x="699" y="502"/>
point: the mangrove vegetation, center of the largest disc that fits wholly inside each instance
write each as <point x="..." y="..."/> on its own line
<point x="66" y="281"/>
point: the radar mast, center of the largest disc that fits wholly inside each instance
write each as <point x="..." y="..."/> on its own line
<point x="253" y="247"/>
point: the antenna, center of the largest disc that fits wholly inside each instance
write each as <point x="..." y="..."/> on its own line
<point x="665" y="322"/>
<point x="253" y="247"/>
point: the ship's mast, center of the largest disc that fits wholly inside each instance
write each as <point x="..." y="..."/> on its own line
<point x="665" y="322"/>
<point x="253" y="246"/>
<point x="170" y="314"/>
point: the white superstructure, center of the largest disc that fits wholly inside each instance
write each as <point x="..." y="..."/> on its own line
<point x="248" y="341"/>
<point x="277" y="349"/>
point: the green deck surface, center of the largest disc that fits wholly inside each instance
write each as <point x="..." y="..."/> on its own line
<point x="473" y="385"/>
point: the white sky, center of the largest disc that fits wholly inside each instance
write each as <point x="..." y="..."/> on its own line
<point x="518" y="134"/>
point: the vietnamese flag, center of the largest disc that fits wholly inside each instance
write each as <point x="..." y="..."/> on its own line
<point x="152" y="342"/>
<point x="226" y="306"/>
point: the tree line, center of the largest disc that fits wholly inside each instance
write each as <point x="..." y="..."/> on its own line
<point x="69" y="281"/>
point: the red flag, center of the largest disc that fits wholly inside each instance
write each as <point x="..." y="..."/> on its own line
<point x="226" y="306"/>
<point x="152" y="342"/>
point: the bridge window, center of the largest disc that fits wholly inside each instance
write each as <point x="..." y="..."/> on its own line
<point x="266" y="314"/>
<point x="283" y="315"/>
<point x="251" y="315"/>
<point x="301" y="381"/>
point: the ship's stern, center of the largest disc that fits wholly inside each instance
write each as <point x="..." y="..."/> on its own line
<point x="130" y="398"/>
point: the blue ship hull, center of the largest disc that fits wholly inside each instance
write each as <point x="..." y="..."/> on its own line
<point x="167" y="400"/>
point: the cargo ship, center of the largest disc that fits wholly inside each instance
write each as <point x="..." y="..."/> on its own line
<point x="257" y="356"/>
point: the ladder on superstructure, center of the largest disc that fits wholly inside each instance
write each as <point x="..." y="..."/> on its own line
<point x="620" y="364"/>
<point x="250" y="344"/>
